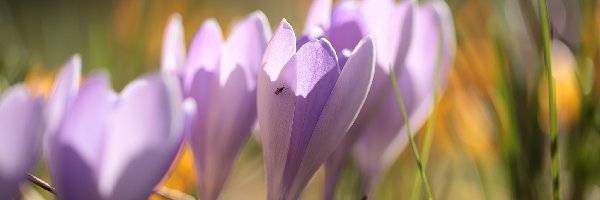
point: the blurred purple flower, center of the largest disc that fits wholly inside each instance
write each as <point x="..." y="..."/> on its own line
<point x="110" y="146"/>
<point x="407" y="39"/>
<point x="385" y="137"/>
<point x="306" y="104"/>
<point x="221" y="77"/>
<point x="21" y="125"/>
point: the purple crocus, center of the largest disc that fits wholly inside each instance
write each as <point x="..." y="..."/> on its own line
<point x="112" y="146"/>
<point x="407" y="40"/>
<point x="433" y="43"/>
<point x="21" y="125"/>
<point x="221" y="77"/>
<point x="306" y="104"/>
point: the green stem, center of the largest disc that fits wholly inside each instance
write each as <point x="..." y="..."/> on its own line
<point x="409" y="133"/>
<point x="551" y="98"/>
<point x="416" y="192"/>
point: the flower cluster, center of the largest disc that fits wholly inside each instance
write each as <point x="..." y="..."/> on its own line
<point x="316" y="99"/>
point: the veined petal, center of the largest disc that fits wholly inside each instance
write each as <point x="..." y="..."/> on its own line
<point x="144" y="133"/>
<point x="79" y="145"/>
<point x="204" y="52"/>
<point x="340" y="111"/>
<point x="173" y="47"/>
<point x="315" y="70"/>
<point x="318" y="15"/>
<point x="20" y="139"/>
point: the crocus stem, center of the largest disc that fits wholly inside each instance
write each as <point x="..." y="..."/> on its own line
<point x="163" y="192"/>
<point x="409" y="133"/>
<point x="41" y="183"/>
<point x="416" y="192"/>
<point x="551" y="100"/>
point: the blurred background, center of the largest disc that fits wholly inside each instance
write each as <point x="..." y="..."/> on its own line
<point x="490" y="139"/>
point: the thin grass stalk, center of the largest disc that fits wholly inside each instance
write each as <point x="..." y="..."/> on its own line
<point x="551" y="98"/>
<point x="409" y="132"/>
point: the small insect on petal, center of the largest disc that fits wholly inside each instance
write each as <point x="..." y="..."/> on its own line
<point x="279" y="90"/>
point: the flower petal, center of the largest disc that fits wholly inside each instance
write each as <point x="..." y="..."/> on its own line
<point x="279" y="50"/>
<point x="318" y="15"/>
<point x="382" y="143"/>
<point x="340" y="111"/>
<point x="245" y="48"/>
<point x="434" y="22"/>
<point x="347" y="28"/>
<point x="143" y="136"/>
<point x="374" y="141"/>
<point x="64" y="90"/>
<point x="20" y="138"/>
<point x="315" y="70"/>
<point x="205" y="50"/>
<point x="79" y="143"/>
<point x="276" y="110"/>
<point x="173" y="47"/>
<point x="217" y="141"/>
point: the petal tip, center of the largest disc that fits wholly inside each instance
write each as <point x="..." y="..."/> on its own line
<point x="285" y="25"/>
<point x="327" y="46"/>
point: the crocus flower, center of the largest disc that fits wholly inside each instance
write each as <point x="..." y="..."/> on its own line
<point x="221" y="77"/>
<point x="112" y="146"/>
<point x="433" y="43"/>
<point x="407" y="40"/>
<point x="306" y="104"/>
<point x="21" y="125"/>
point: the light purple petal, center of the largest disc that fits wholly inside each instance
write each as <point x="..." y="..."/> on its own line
<point x="204" y="51"/>
<point x="400" y="33"/>
<point x="315" y="70"/>
<point x="173" y="47"/>
<point x="318" y="15"/>
<point x="64" y="90"/>
<point x="377" y="15"/>
<point x="20" y="138"/>
<point x="375" y="139"/>
<point x="276" y="111"/>
<point x="280" y="49"/>
<point x="347" y="28"/>
<point x="66" y="86"/>
<point x="245" y="48"/>
<point x="434" y="21"/>
<point x="375" y="102"/>
<point x="216" y="142"/>
<point x="312" y="34"/>
<point x="79" y="144"/>
<point x="392" y="34"/>
<point x="144" y="133"/>
<point x="340" y="111"/>
<point x="381" y="143"/>
<point x="391" y="45"/>
<point x="227" y="103"/>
